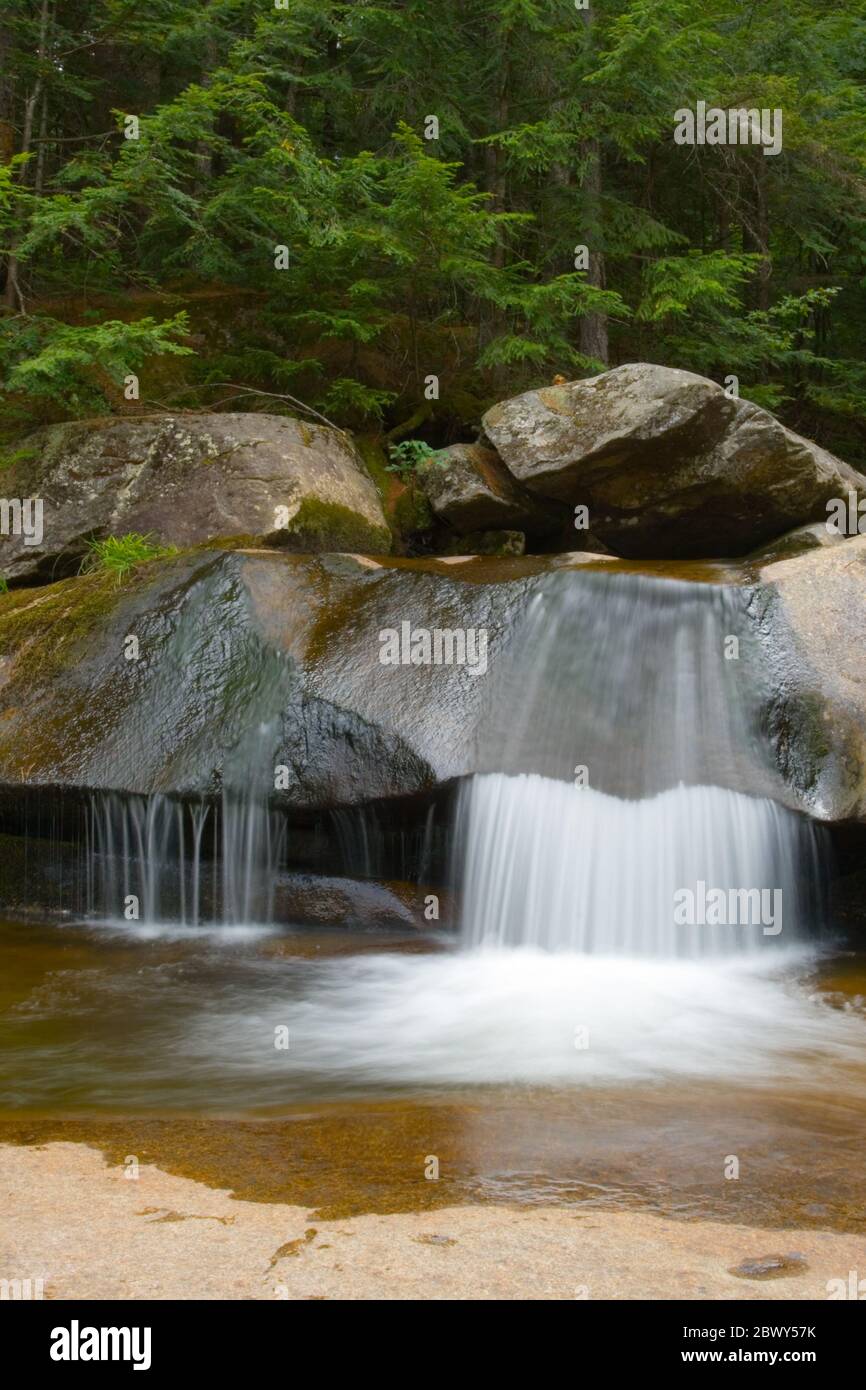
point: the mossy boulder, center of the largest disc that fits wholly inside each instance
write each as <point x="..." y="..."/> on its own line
<point x="210" y="669"/>
<point x="188" y="480"/>
<point x="215" y="669"/>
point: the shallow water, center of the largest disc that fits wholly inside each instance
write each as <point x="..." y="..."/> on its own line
<point x="530" y="1076"/>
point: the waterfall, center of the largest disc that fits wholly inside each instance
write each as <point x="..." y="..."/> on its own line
<point x="622" y="723"/>
<point x="162" y="859"/>
<point x="692" y="871"/>
<point x="644" y="682"/>
<point x="623" y="799"/>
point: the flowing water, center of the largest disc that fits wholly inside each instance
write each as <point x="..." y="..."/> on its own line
<point x="572" y="869"/>
<point x="623" y="780"/>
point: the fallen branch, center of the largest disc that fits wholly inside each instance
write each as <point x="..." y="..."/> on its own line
<point x="242" y="391"/>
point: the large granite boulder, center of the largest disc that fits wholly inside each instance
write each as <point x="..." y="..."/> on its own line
<point x="263" y="672"/>
<point x="668" y="465"/>
<point x="187" y="480"/>
<point x="797" y="542"/>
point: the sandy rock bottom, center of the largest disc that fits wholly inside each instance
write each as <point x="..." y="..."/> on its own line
<point x="90" y="1232"/>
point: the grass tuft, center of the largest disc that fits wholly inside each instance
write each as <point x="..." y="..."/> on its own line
<point x="120" y="554"/>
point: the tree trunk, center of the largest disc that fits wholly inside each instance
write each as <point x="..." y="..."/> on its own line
<point x="39" y="178"/>
<point x="496" y="185"/>
<point x="7" y="96"/>
<point x="494" y="159"/>
<point x="756" y="232"/>
<point x="12" y="296"/>
<point x="593" y="327"/>
<point x="204" y="151"/>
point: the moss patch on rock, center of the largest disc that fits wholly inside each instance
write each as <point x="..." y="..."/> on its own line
<point x="319" y="525"/>
<point x="412" y="512"/>
<point x="43" y="625"/>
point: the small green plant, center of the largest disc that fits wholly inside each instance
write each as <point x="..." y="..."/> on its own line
<point x="120" y="554"/>
<point x="4" y="585"/>
<point x="408" y="457"/>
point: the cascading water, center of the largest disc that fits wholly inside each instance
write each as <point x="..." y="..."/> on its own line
<point x="623" y="712"/>
<point x="621" y="765"/>
<point x="652" y="691"/>
<point x="569" y="868"/>
<point x="202" y="863"/>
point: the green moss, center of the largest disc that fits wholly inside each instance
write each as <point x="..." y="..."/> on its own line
<point x="321" y="525"/>
<point x="808" y="732"/>
<point x="412" y="512"/>
<point x="9" y="458"/>
<point x="406" y="507"/>
<point x="42" y="627"/>
<point x="246" y="542"/>
<point x="376" y="463"/>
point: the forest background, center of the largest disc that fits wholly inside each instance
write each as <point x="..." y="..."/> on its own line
<point x="280" y="221"/>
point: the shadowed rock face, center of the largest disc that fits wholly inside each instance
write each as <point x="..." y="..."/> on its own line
<point x="246" y="661"/>
<point x="469" y="488"/>
<point x="189" y="480"/>
<point x="797" y="542"/>
<point x="667" y="464"/>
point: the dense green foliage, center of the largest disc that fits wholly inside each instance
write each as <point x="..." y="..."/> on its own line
<point x="283" y="220"/>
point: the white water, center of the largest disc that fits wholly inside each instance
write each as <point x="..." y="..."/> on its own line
<point x="547" y="863"/>
<point x="634" y="678"/>
<point x="517" y="1016"/>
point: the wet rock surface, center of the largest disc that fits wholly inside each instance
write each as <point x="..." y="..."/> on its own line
<point x="469" y="487"/>
<point x="241" y="661"/>
<point x="771" y="1267"/>
<point x="258" y="660"/>
<point x="809" y="612"/>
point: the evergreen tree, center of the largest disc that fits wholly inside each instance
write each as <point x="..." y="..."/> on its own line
<point x="339" y="202"/>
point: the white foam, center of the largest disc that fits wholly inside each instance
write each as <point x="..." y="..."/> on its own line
<point x="529" y="1016"/>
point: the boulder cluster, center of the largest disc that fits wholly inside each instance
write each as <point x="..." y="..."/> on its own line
<point x="646" y="462"/>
